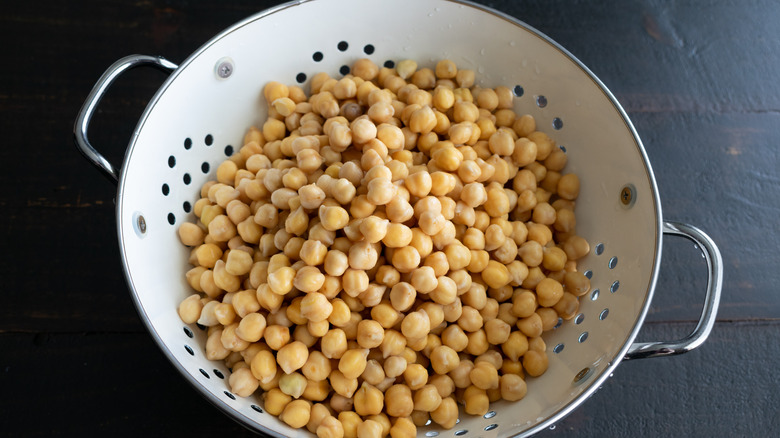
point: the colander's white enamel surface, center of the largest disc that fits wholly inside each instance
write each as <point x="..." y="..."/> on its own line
<point x="278" y="45"/>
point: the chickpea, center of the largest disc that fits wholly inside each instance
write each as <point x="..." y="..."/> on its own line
<point x="497" y="331"/>
<point x="406" y="259"/>
<point x="444" y="359"/>
<point x="242" y="382"/>
<point x="275" y="401"/>
<point x="549" y="292"/>
<point x="190" y="309"/>
<point x="403" y="428"/>
<point x="369" y="429"/>
<point x="334" y="343"/>
<point x="416" y="325"/>
<point x="567" y="306"/>
<point x="535" y="363"/>
<point x="368" y="400"/>
<point x="398" y="401"/>
<point x="370" y="334"/>
<point x="446" y="415"/>
<point x="330" y="427"/>
<point x="516" y="346"/>
<point x="496" y="274"/>
<point x="296" y="413"/>
<point x="576" y="247"/>
<point x="251" y="327"/>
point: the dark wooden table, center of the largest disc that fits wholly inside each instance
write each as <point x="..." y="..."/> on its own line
<point x="698" y="78"/>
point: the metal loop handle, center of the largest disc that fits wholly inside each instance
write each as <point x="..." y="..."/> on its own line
<point x="100" y="88"/>
<point x="641" y="350"/>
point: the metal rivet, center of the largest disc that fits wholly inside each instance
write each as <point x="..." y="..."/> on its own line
<point x="627" y="195"/>
<point x="141" y="224"/>
<point x="585" y="372"/>
<point x="225" y="68"/>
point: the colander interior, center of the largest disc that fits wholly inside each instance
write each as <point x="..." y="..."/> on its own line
<point x="200" y="115"/>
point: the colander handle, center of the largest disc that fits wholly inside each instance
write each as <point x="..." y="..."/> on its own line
<point x="100" y="88"/>
<point x="641" y="350"/>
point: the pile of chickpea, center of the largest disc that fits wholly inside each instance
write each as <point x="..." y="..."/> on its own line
<point x="385" y="249"/>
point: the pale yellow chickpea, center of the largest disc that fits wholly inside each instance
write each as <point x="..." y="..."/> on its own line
<point x="458" y="256"/>
<point x="419" y="183"/>
<point x="319" y="412"/>
<point x="354" y="282"/>
<point x="275" y="401"/>
<point x="293" y="384"/>
<point x="353" y="362"/>
<point x="251" y="327"/>
<point x="317" y="366"/>
<point x="393" y="344"/>
<point x="567" y="306"/>
<point x="497" y="331"/>
<point x="242" y="382"/>
<point x="484" y="375"/>
<point x="402" y="296"/>
<point x="476" y="401"/>
<point x="454" y="337"/>
<point x="385" y="314"/>
<point x="335" y="263"/>
<point x="444" y="359"/>
<point x="350" y="421"/>
<point x="296" y="413"/>
<point x="515" y="346"/>
<point x="394" y="366"/>
<point x="406" y="259"/>
<point x="333" y="218"/>
<point x="190" y="309"/>
<point x="369" y="429"/>
<point x="292" y="356"/>
<point x="363" y="255"/>
<point x="343" y="385"/>
<point x="416" y="325"/>
<point x="330" y="427"/>
<point x="334" y="343"/>
<point x="368" y="400"/>
<point x="398" y="210"/>
<point x="403" y="428"/>
<point x="496" y="274"/>
<point x="473" y="194"/>
<point x="446" y="415"/>
<point x="549" y="292"/>
<point x="374" y="372"/>
<point x="398" y="401"/>
<point x="190" y="234"/>
<point x="535" y="363"/>
<point x="446" y="291"/>
<point x="370" y="334"/>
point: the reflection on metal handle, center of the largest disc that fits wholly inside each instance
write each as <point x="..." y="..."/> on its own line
<point x="100" y="88"/>
<point x="641" y="350"/>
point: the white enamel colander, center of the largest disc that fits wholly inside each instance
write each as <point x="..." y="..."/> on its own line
<point x="200" y="114"/>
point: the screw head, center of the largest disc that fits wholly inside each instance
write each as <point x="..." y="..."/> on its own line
<point x="141" y="224"/>
<point x="627" y="195"/>
<point x="224" y="68"/>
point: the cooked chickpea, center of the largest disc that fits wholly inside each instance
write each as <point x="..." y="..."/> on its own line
<point x="549" y="292"/>
<point x="398" y="401"/>
<point x="446" y="415"/>
<point x="334" y="343"/>
<point x="276" y="401"/>
<point x="444" y="267"/>
<point x="444" y="359"/>
<point x="368" y="400"/>
<point x="416" y="325"/>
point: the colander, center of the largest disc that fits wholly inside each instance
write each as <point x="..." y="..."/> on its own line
<point x="199" y="115"/>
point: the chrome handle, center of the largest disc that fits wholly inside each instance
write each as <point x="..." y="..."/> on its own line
<point x="641" y="350"/>
<point x="100" y="88"/>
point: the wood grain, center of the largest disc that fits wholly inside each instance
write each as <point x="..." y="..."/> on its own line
<point x="697" y="78"/>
